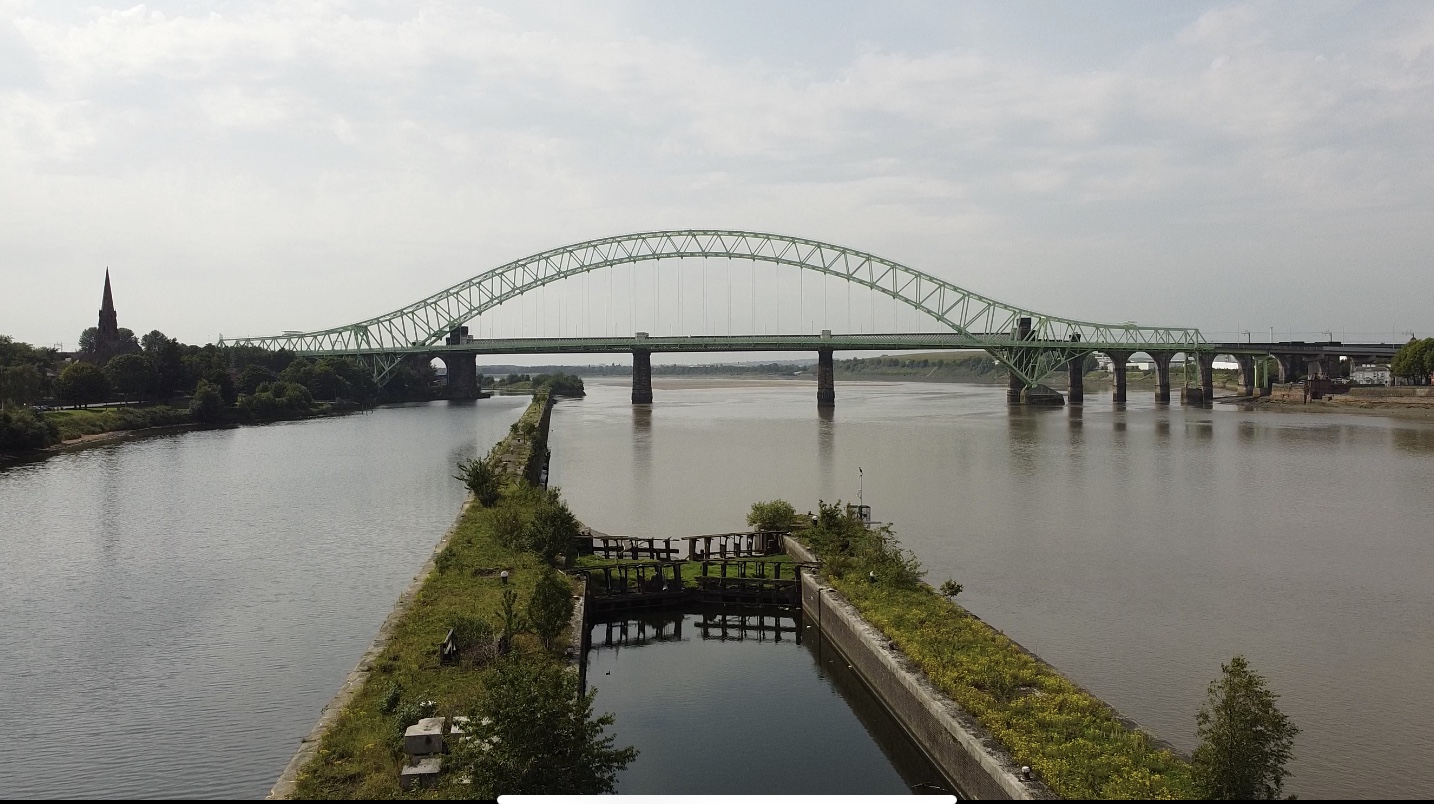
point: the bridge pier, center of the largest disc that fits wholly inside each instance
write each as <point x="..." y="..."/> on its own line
<point x="1247" y="374"/>
<point x="1117" y="376"/>
<point x="641" y="377"/>
<point x="1075" y="378"/>
<point x="1289" y="367"/>
<point x="1206" y="362"/>
<point x="462" y="376"/>
<point x="1015" y="385"/>
<point x="826" y="381"/>
<point x="1162" y="376"/>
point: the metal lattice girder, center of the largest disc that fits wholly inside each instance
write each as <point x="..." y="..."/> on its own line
<point x="987" y="323"/>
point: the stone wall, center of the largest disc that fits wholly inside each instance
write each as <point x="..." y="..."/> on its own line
<point x="951" y="738"/>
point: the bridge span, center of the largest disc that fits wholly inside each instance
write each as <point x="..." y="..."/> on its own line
<point x="1031" y="345"/>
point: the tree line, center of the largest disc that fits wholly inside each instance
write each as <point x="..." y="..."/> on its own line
<point x="216" y="382"/>
<point x="1414" y="361"/>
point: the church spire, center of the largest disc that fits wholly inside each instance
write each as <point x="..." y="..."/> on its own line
<point x="109" y="320"/>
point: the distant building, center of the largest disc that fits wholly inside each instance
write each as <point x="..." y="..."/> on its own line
<point x="1370" y="374"/>
<point x="107" y="339"/>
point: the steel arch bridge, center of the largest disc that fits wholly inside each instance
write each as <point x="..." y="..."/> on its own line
<point x="1029" y="343"/>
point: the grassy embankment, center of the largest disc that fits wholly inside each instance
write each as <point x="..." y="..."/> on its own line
<point x="1075" y="743"/>
<point x="73" y="424"/>
<point x="361" y="754"/>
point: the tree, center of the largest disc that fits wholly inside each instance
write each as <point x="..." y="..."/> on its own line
<point x="20" y="385"/>
<point x="253" y="376"/>
<point x="81" y="384"/>
<point x="129" y="375"/>
<point x="480" y="479"/>
<point x="88" y="338"/>
<point x="166" y="355"/>
<point x="1245" y="739"/>
<point x="550" y="607"/>
<point x="1414" y="360"/>
<point x="531" y="732"/>
<point x="552" y="529"/>
<point x="207" y="405"/>
<point x="774" y="515"/>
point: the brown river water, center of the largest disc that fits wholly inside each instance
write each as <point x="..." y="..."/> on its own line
<point x="177" y="609"/>
<point x="1135" y="550"/>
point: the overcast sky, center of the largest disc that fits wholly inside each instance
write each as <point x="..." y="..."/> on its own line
<point x="246" y="168"/>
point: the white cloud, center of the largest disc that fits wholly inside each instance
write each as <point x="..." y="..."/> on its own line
<point x="309" y="141"/>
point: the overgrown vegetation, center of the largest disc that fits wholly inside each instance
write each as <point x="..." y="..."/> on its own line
<point x="1074" y="742"/>
<point x="540" y="736"/>
<point x="534" y="733"/>
<point x="771" y="516"/>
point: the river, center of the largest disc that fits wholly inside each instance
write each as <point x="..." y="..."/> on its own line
<point x="177" y="609"/>
<point x="1135" y="550"/>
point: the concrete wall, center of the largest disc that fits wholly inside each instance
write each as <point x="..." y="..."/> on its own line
<point x="969" y="757"/>
<point x="1398" y="391"/>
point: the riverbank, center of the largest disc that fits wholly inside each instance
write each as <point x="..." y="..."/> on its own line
<point x="355" y="749"/>
<point x="83" y="428"/>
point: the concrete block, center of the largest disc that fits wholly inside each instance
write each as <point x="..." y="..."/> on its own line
<point x="424" y="737"/>
<point x="423" y="773"/>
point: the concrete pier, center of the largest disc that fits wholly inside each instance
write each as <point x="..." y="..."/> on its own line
<point x="641" y="377"/>
<point x="1162" y="376"/>
<point x="826" y="382"/>
<point x="1247" y="374"/>
<point x="462" y="376"/>
<point x="1075" y="378"/>
<point x="1117" y="376"/>
<point x="1206" y="362"/>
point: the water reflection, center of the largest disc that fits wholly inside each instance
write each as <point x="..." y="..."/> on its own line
<point x="826" y="444"/>
<point x="738" y="687"/>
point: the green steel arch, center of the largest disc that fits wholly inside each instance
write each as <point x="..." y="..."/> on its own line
<point x="983" y="322"/>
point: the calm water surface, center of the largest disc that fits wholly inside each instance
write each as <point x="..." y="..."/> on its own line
<point x="732" y="702"/>
<point x="176" y="611"/>
<point x="1136" y="549"/>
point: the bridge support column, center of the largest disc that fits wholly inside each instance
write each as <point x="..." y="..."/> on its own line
<point x="1075" y="373"/>
<point x="641" y="377"/>
<point x="462" y="376"/>
<point x="1247" y="374"/>
<point x="1162" y="376"/>
<point x="826" y="381"/>
<point x="1117" y="376"/>
<point x="1289" y="367"/>
<point x="1015" y="385"/>
<point x="1206" y="362"/>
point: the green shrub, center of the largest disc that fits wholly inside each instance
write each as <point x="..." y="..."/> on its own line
<point x="774" y="515"/>
<point x="481" y="478"/>
<point x="21" y="428"/>
<point x="206" y="405"/>
<point x="551" y="607"/>
<point x="533" y="732"/>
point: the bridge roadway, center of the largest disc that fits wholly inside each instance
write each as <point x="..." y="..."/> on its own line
<point x="1294" y="359"/>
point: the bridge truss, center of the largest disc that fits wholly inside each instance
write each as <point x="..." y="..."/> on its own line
<point x="976" y="321"/>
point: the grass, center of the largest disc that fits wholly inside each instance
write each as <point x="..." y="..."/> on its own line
<point x="1074" y="742"/>
<point x="75" y="423"/>
<point x="361" y="754"/>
